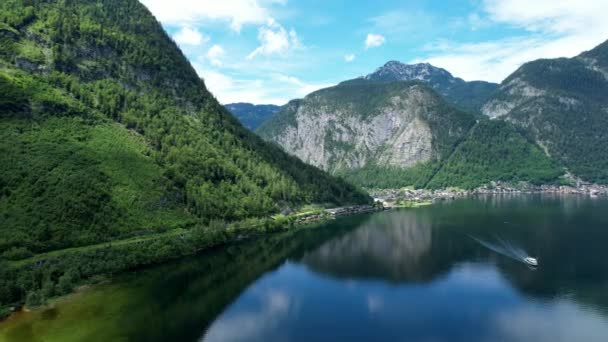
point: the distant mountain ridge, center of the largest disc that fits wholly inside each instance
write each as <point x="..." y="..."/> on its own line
<point x="250" y="115"/>
<point x="464" y="95"/>
<point x="549" y="117"/>
<point x="397" y="71"/>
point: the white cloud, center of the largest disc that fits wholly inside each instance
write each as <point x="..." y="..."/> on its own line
<point x="399" y="23"/>
<point x="490" y="61"/>
<point x="275" y="40"/>
<point x="373" y="40"/>
<point x="557" y="28"/>
<point x="236" y="12"/>
<point x="272" y="88"/>
<point x="562" y="16"/>
<point x="214" y="55"/>
<point x="300" y="88"/>
<point x="349" y="57"/>
<point x="413" y="26"/>
<point x="475" y="21"/>
<point x="295" y="40"/>
<point x="189" y="36"/>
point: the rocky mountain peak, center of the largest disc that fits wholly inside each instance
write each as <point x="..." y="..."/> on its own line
<point x="465" y="95"/>
<point x="397" y="71"/>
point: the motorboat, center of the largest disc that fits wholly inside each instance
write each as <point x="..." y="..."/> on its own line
<point x="531" y="261"/>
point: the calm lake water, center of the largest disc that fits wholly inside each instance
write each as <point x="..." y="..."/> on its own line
<point x="447" y="272"/>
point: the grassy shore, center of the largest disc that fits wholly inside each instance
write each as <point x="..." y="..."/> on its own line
<point x="411" y="204"/>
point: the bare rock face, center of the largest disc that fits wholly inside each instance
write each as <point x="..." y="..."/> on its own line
<point x="519" y="92"/>
<point x="411" y="145"/>
<point x="391" y="126"/>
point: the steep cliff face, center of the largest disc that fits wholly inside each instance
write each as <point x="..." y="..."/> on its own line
<point x="563" y="104"/>
<point x="391" y="124"/>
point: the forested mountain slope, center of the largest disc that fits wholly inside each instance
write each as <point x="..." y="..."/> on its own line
<point x="107" y="132"/>
<point x="563" y="103"/>
<point x="495" y="151"/>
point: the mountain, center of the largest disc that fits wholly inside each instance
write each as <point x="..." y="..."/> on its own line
<point x="563" y="104"/>
<point x="108" y="133"/>
<point x="395" y="134"/>
<point x="250" y="115"/>
<point x="396" y="124"/>
<point x="465" y="95"/>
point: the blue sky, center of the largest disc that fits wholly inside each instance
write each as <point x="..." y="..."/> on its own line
<point x="271" y="51"/>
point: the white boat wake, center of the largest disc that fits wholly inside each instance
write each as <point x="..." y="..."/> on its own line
<point x="507" y="249"/>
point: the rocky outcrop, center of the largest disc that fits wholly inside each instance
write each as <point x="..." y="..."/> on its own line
<point x="518" y="90"/>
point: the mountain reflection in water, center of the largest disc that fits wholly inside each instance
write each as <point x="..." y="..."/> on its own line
<point x="417" y="275"/>
<point x="391" y="246"/>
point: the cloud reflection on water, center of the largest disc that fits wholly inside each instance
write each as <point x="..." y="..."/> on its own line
<point x="472" y="302"/>
<point x="253" y="324"/>
<point x="556" y="321"/>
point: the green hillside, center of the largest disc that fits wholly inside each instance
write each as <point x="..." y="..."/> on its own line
<point x="108" y="133"/>
<point x="495" y="151"/>
<point x="566" y="112"/>
<point x="382" y="177"/>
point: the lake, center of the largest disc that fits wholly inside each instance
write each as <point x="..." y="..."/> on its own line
<point x="447" y="272"/>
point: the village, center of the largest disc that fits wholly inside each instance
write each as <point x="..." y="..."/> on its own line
<point x="391" y="198"/>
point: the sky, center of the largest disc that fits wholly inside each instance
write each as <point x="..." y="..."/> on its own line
<point x="272" y="51"/>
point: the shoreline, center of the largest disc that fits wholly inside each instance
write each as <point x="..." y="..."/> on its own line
<point x="217" y="239"/>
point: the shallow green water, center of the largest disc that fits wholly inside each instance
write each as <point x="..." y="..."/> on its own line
<point x="411" y="275"/>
